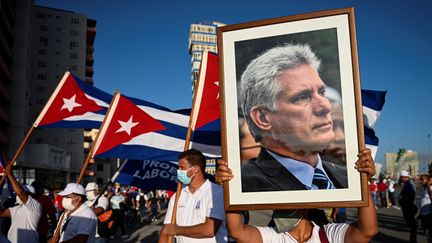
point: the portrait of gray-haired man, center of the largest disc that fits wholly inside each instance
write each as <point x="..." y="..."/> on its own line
<point x="284" y="103"/>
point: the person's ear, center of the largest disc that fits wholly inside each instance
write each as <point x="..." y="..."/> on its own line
<point x="260" y="117"/>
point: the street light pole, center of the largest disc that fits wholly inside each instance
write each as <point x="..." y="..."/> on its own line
<point x="430" y="157"/>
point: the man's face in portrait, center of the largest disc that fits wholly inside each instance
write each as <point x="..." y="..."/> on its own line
<point x="302" y="121"/>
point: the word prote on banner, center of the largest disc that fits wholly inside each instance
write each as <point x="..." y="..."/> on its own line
<point x="148" y="174"/>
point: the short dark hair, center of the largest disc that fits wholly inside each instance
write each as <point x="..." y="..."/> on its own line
<point x="194" y="157"/>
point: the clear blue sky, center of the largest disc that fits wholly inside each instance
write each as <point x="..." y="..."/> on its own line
<point x="142" y="50"/>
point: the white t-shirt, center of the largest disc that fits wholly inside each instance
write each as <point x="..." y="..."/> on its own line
<point x="391" y="185"/>
<point x="116" y="200"/>
<point x="102" y="202"/>
<point x="81" y="222"/>
<point x="194" y="208"/>
<point x="24" y="221"/>
<point x="335" y="234"/>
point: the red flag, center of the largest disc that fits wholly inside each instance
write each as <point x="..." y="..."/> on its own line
<point x="124" y="121"/>
<point x="206" y="106"/>
<point x="67" y="100"/>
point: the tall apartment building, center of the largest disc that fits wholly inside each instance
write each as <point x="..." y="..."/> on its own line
<point x="202" y="36"/>
<point x="7" y="16"/>
<point x="48" y="43"/>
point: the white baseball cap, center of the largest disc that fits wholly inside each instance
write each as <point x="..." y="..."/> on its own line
<point x="28" y="188"/>
<point x="404" y="173"/>
<point x="73" y="188"/>
<point x="91" y="186"/>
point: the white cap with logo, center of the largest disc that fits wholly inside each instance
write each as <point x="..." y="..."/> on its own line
<point x="73" y="188"/>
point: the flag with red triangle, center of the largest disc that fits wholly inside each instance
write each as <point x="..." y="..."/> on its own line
<point x="124" y="122"/>
<point x="206" y="105"/>
<point x="73" y="104"/>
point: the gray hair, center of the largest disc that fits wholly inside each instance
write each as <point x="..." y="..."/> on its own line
<point x="258" y="85"/>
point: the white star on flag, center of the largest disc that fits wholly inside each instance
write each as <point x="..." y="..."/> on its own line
<point x="70" y="103"/>
<point x="217" y="84"/>
<point x="126" y="126"/>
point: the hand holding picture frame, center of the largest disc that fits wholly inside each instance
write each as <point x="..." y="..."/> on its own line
<point x="291" y="112"/>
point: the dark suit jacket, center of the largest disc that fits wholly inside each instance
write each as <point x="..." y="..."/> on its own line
<point x="266" y="174"/>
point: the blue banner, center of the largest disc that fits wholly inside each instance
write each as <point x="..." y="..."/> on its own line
<point x="148" y="174"/>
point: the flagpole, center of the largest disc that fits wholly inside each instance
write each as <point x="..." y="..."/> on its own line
<point x="90" y="154"/>
<point x="18" y="152"/>
<point x="187" y="141"/>
<point x="36" y="123"/>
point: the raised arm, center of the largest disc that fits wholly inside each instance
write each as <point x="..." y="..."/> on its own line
<point x="367" y="226"/>
<point x="237" y="230"/>
<point x="19" y="190"/>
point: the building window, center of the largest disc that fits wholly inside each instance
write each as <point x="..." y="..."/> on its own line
<point x="99" y="167"/>
<point x="42" y="64"/>
<point x="74" y="32"/>
<point x="39" y="140"/>
<point x="73" y="44"/>
<point x="41" y="89"/>
<point x="73" y="68"/>
<point x="43" y="40"/>
<point x="75" y="21"/>
<point x="43" y="28"/>
<point x="40" y="102"/>
<point x="73" y="56"/>
<point x="42" y="52"/>
<point x="58" y="40"/>
<point x="42" y="76"/>
<point x="40" y="15"/>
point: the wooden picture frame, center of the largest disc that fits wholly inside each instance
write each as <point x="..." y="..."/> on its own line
<point x="331" y="36"/>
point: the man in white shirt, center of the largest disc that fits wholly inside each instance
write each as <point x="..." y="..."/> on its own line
<point x="200" y="214"/>
<point x="99" y="204"/>
<point x="305" y="229"/>
<point x="25" y="216"/>
<point x="78" y="222"/>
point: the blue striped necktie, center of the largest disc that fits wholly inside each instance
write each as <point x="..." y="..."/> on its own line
<point x="321" y="180"/>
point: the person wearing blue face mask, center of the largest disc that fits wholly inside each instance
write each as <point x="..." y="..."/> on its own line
<point x="200" y="213"/>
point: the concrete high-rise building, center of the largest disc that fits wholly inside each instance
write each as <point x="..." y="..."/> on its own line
<point x="7" y="12"/>
<point x="202" y="37"/>
<point x="403" y="160"/>
<point x="48" y="42"/>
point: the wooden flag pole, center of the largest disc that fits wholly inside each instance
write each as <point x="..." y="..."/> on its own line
<point x="18" y="152"/>
<point x="90" y="154"/>
<point x="187" y="141"/>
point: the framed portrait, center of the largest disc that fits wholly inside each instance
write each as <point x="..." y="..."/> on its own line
<point x="291" y="112"/>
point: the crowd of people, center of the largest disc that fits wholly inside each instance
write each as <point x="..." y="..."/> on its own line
<point x="296" y="143"/>
<point x="94" y="213"/>
<point x="384" y="190"/>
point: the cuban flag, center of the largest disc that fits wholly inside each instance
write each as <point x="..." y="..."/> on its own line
<point x="205" y="114"/>
<point x="206" y="109"/>
<point x="77" y="104"/>
<point x="140" y="130"/>
<point x="373" y="102"/>
<point x="74" y="104"/>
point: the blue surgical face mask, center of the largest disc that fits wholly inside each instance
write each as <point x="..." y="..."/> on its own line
<point x="183" y="178"/>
